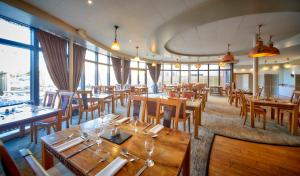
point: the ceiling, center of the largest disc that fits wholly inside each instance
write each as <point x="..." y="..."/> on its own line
<point x="190" y="30"/>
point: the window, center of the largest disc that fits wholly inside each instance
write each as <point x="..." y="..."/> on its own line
<point x="14" y="32"/>
<point x="102" y="59"/>
<point x="102" y="74"/>
<point x="142" y="77"/>
<point x="113" y="80"/>
<point x="203" y="75"/>
<point x="134" y="77"/>
<point x="184" y="76"/>
<point x="46" y="83"/>
<point x="204" y="67"/>
<point x="90" y="55"/>
<point x="133" y="64"/>
<point x="213" y="78"/>
<point x="149" y="81"/>
<point x="194" y="76"/>
<point x="142" y="65"/>
<point x="175" y="77"/>
<point x="167" y="77"/>
<point x="14" y="74"/>
<point x="89" y="75"/>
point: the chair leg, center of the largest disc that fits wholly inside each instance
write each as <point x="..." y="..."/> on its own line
<point x="290" y="124"/>
<point x="67" y="123"/>
<point x="86" y="115"/>
<point x="31" y="132"/>
<point x="80" y="116"/>
<point x="35" y="134"/>
<point x="245" y="119"/>
<point x="48" y="129"/>
<point x="92" y="112"/>
<point x="189" y="124"/>
<point x="264" y="122"/>
<point x="184" y="125"/>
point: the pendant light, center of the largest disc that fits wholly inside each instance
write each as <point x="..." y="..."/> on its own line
<point x="228" y="57"/>
<point x="115" y="45"/>
<point x="177" y="65"/>
<point x="287" y="65"/>
<point x="273" y="50"/>
<point x="198" y="65"/>
<point x="222" y="64"/>
<point x="137" y="58"/>
<point x="260" y="50"/>
<point x="153" y="63"/>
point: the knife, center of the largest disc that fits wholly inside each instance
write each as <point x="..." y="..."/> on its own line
<point x="147" y="126"/>
<point x="141" y="170"/>
<point x="80" y="150"/>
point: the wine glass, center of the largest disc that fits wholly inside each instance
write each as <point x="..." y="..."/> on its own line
<point x="134" y="122"/>
<point x="102" y="116"/>
<point x="149" y="146"/>
<point x="99" y="133"/>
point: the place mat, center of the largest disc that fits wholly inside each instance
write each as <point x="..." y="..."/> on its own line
<point x="118" y="138"/>
<point x="113" y="167"/>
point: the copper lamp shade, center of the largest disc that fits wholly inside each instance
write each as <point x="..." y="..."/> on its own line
<point x="272" y="50"/>
<point x="228" y="57"/>
<point x="260" y="50"/>
<point x="198" y="66"/>
<point x="115" y="45"/>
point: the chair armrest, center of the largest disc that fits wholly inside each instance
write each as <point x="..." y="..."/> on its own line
<point x="33" y="163"/>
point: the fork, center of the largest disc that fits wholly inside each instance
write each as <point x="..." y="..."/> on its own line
<point x="98" y="162"/>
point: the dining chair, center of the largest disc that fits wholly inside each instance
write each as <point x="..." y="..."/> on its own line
<point x="97" y="89"/>
<point x="65" y="104"/>
<point x="173" y="94"/>
<point x="257" y="110"/>
<point x="139" y="106"/>
<point x="127" y="87"/>
<point x="86" y="104"/>
<point x="170" y="106"/>
<point x="10" y="168"/>
<point x="49" y="101"/>
<point x="107" y="90"/>
<point x="188" y="94"/>
<point x="290" y="113"/>
<point x="153" y="112"/>
<point x="117" y="96"/>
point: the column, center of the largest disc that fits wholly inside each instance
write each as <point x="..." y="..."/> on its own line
<point x="255" y="71"/>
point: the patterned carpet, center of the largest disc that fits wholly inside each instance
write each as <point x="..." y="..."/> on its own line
<point x="219" y="117"/>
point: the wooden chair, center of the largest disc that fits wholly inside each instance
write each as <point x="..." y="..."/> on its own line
<point x="153" y="112"/>
<point x="170" y="106"/>
<point x="86" y="104"/>
<point x="49" y="101"/>
<point x="188" y="94"/>
<point x="117" y="96"/>
<point x="173" y="94"/>
<point x="107" y="90"/>
<point x="257" y="110"/>
<point x="10" y="168"/>
<point x="127" y="87"/>
<point x="65" y="104"/>
<point x="97" y="89"/>
<point x="138" y="102"/>
<point x="290" y="113"/>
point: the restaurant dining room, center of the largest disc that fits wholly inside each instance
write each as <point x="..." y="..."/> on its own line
<point x="149" y="87"/>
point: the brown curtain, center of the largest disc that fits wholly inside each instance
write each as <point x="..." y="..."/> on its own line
<point x="117" y="65"/>
<point x="154" y="73"/>
<point x="54" y="52"/>
<point x="126" y="70"/>
<point x="79" y="56"/>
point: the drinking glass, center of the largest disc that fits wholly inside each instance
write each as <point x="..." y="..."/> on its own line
<point x="102" y="116"/>
<point x="149" y="146"/>
<point x="134" y="122"/>
<point x="99" y="133"/>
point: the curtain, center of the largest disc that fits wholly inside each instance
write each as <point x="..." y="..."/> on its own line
<point x="126" y="70"/>
<point x="116" y="64"/>
<point x="154" y="73"/>
<point x="78" y="63"/>
<point x="54" y="52"/>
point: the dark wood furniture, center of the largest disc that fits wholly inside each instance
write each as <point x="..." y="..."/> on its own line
<point x="86" y="104"/>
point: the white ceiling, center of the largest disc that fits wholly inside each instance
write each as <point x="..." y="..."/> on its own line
<point x="140" y="20"/>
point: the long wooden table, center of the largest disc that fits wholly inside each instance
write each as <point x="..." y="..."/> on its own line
<point x="26" y="114"/>
<point x="282" y="104"/>
<point x="171" y="153"/>
<point x="195" y="105"/>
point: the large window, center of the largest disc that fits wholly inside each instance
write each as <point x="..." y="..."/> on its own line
<point x="14" y="74"/>
<point x="89" y="75"/>
<point x="46" y="83"/>
<point x="102" y="74"/>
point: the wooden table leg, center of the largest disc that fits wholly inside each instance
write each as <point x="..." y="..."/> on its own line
<point x="22" y="131"/>
<point x="295" y="121"/>
<point x="236" y="100"/>
<point x="47" y="158"/>
<point x="113" y="104"/>
<point x="197" y="121"/>
<point x="59" y="121"/>
<point x="187" y="161"/>
<point x="102" y="105"/>
<point x="252" y="114"/>
<point x="122" y="99"/>
<point x="203" y="104"/>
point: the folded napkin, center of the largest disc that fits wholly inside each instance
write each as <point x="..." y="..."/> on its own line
<point x="68" y="144"/>
<point x="112" y="116"/>
<point x="156" y="128"/>
<point x="122" y="120"/>
<point x="113" y="167"/>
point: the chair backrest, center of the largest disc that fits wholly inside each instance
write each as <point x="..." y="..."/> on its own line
<point x="152" y="108"/>
<point x="49" y="98"/>
<point x="170" y="106"/>
<point x="109" y="89"/>
<point x="65" y="102"/>
<point x="118" y="87"/>
<point x="8" y="164"/>
<point x="97" y="89"/>
<point x="127" y="86"/>
<point x="137" y="101"/>
<point x="173" y="94"/>
<point x="188" y="94"/>
<point x="260" y="89"/>
<point x="84" y="97"/>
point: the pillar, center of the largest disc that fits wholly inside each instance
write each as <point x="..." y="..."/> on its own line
<point x="71" y="65"/>
<point x="255" y="71"/>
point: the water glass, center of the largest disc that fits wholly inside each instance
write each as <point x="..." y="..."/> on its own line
<point x="149" y="147"/>
<point x="99" y="133"/>
<point x="102" y="116"/>
<point x="134" y="122"/>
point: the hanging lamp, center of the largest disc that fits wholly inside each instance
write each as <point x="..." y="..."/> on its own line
<point x="260" y="50"/>
<point x="137" y="58"/>
<point x="115" y="45"/>
<point x="273" y="50"/>
<point x="153" y="63"/>
<point x="228" y="57"/>
<point x="287" y="65"/>
<point x="177" y="65"/>
<point x="198" y="65"/>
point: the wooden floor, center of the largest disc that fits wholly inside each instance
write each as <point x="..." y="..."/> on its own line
<point x="236" y="157"/>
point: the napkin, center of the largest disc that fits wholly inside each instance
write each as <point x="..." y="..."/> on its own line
<point x="113" y="167"/>
<point x="120" y="121"/>
<point x="112" y="116"/>
<point x="156" y="128"/>
<point x="68" y="144"/>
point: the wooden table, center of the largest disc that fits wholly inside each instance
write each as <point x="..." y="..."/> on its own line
<point x="237" y="95"/>
<point x="121" y="92"/>
<point x="26" y="114"/>
<point x="282" y="105"/>
<point x="101" y="98"/>
<point x="171" y="153"/>
<point x="195" y="105"/>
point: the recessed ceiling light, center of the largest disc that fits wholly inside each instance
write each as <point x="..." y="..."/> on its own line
<point x="130" y="41"/>
<point x="90" y="2"/>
